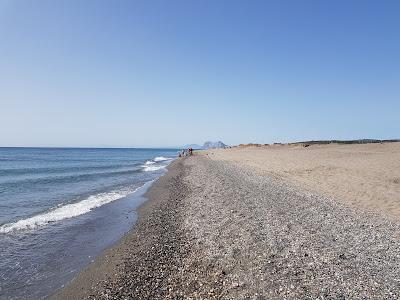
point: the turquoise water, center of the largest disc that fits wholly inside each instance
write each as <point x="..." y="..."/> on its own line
<point x="59" y="208"/>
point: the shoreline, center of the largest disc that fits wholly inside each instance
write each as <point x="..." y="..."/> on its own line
<point x="211" y="229"/>
<point x="86" y="283"/>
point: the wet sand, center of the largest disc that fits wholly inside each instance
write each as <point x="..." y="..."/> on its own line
<point x="137" y="265"/>
<point x="213" y="229"/>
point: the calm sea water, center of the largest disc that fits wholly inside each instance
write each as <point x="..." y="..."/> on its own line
<point x="59" y="208"/>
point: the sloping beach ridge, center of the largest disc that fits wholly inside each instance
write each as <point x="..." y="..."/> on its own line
<point x="277" y="222"/>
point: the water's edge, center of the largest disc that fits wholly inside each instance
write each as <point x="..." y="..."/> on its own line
<point x="145" y="201"/>
<point x="51" y="229"/>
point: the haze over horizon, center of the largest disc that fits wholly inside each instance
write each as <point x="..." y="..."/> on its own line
<point x="153" y="74"/>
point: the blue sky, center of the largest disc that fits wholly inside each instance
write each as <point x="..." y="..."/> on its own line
<point x="167" y="73"/>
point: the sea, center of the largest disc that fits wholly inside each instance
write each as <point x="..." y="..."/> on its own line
<point x="61" y="207"/>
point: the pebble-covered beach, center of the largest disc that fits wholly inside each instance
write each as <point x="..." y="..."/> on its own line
<point x="215" y="230"/>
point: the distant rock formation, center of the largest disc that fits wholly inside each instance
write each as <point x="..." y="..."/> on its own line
<point x="214" y="145"/>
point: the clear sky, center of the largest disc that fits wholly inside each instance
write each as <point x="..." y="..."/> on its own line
<point x="167" y="73"/>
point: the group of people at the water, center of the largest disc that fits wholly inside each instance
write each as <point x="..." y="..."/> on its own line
<point x="186" y="152"/>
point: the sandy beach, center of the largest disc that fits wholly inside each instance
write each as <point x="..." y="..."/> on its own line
<point x="365" y="176"/>
<point x="218" y="228"/>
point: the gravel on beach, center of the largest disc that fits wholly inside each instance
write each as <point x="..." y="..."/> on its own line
<point x="212" y="230"/>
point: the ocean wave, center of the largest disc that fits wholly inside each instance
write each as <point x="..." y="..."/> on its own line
<point x="62" y="170"/>
<point x="152" y="168"/>
<point x="161" y="158"/>
<point x="66" y="211"/>
<point x="28" y="181"/>
<point x="150" y="162"/>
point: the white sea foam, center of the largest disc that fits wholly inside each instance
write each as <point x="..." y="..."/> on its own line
<point x="161" y="158"/>
<point x="152" y="168"/>
<point x="66" y="211"/>
<point x="150" y="162"/>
